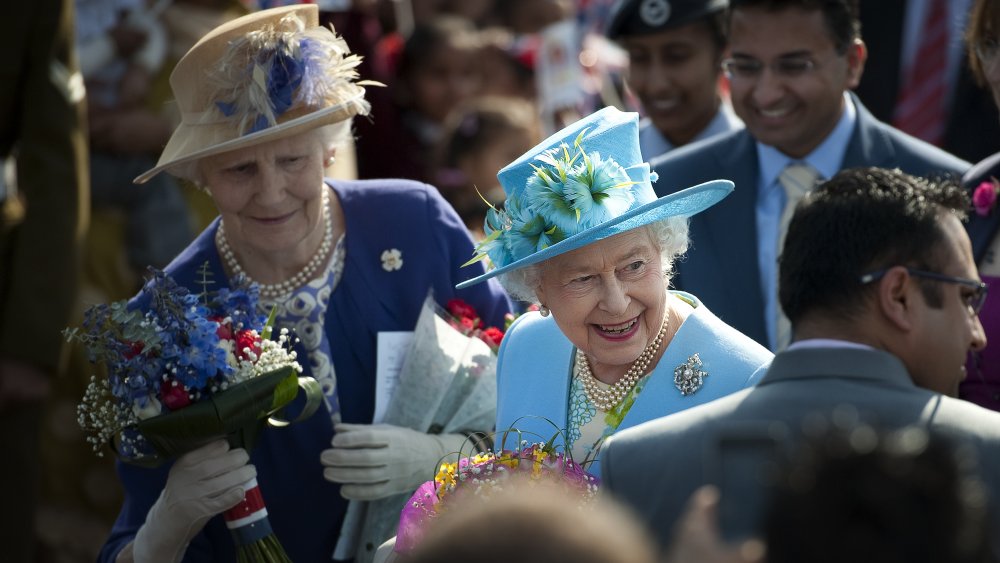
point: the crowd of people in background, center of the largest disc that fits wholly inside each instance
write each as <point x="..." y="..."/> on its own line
<point x="782" y="97"/>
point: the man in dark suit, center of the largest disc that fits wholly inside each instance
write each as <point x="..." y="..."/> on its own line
<point x="792" y="65"/>
<point x="879" y="283"/>
<point x="971" y="126"/>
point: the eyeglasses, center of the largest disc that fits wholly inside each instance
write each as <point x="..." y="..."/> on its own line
<point x="987" y="49"/>
<point x="974" y="301"/>
<point x="745" y="68"/>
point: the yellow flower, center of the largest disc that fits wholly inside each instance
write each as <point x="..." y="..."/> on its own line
<point x="540" y="456"/>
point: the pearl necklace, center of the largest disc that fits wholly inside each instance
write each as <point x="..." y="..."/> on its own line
<point x="607" y="399"/>
<point x="273" y="291"/>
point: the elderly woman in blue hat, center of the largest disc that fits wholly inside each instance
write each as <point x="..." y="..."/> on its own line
<point x="265" y="100"/>
<point x="583" y="235"/>
<point x="675" y="50"/>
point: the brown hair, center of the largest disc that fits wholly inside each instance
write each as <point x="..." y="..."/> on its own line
<point x="535" y="522"/>
<point x="984" y="22"/>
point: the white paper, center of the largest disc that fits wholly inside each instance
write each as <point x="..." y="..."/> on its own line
<point x="443" y="381"/>
<point x="559" y="75"/>
<point x="391" y="351"/>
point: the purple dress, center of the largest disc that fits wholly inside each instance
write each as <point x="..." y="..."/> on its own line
<point x="982" y="380"/>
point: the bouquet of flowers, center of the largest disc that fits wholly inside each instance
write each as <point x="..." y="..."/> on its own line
<point x="446" y="384"/>
<point x="465" y="320"/>
<point x="189" y="369"/>
<point x="485" y="475"/>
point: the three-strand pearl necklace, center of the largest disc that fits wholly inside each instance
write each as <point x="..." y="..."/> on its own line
<point x="608" y="398"/>
<point x="280" y="289"/>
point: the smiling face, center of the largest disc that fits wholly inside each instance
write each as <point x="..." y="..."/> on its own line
<point x="608" y="297"/>
<point x="793" y="113"/>
<point x="946" y="334"/>
<point x="269" y="195"/>
<point x="675" y="74"/>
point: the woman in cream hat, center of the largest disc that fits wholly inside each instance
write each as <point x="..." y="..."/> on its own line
<point x="265" y="99"/>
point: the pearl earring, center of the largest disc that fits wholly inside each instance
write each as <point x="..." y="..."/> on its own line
<point x="543" y="310"/>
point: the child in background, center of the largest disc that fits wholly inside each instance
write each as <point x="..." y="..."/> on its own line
<point x="506" y="64"/>
<point x="479" y="139"/>
<point x="435" y="73"/>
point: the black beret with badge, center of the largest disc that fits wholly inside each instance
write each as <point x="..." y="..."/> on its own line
<point x="639" y="17"/>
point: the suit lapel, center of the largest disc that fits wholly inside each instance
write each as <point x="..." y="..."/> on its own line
<point x="731" y="226"/>
<point x="981" y="231"/>
<point x="869" y="144"/>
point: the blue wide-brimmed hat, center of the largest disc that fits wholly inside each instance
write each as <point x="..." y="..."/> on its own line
<point x="581" y="185"/>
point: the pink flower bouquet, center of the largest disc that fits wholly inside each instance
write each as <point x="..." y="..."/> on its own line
<point x="483" y="476"/>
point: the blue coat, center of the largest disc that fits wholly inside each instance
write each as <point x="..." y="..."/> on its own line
<point x="722" y="266"/>
<point x="305" y="510"/>
<point x="535" y="369"/>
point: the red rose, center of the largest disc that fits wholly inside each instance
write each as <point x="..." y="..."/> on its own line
<point x="247" y="339"/>
<point x="173" y="396"/>
<point x="134" y="349"/>
<point x="492" y="336"/>
<point x="224" y="331"/>
<point x="461" y="309"/>
<point x="468" y="325"/>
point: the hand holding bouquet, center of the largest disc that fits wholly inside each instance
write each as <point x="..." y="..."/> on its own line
<point x="184" y="372"/>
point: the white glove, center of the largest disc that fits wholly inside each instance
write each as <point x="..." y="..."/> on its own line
<point x="375" y="461"/>
<point x="202" y="483"/>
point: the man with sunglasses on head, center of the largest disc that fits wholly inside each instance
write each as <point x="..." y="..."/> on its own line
<point x="791" y="66"/>
<point x="882" y="292"/>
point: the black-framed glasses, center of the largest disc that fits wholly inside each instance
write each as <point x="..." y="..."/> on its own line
<point x="974" y="300"/>
<point x="746" y="68"/>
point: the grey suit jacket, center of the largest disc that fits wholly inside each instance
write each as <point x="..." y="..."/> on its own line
<point x="721" y="266"/>
<point x="654" y="467"/>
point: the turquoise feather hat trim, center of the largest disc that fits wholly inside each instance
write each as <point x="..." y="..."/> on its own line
<point x="583" y="184"/>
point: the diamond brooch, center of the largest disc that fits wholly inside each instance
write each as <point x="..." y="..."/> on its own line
<point x="689" y="377"/>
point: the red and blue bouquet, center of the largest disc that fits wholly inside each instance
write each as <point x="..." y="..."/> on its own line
<point x="187" y="369"/>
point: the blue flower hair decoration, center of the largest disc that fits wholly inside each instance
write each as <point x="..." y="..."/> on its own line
<point x="569" y="192"/>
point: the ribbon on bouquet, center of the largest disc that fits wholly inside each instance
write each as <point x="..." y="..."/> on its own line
<point x="251" y="530"/>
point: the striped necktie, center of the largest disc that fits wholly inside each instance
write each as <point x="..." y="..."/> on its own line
<point x="920" y="109"/>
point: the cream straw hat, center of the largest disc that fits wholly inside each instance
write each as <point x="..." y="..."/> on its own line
<point x="265" y="76"/>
